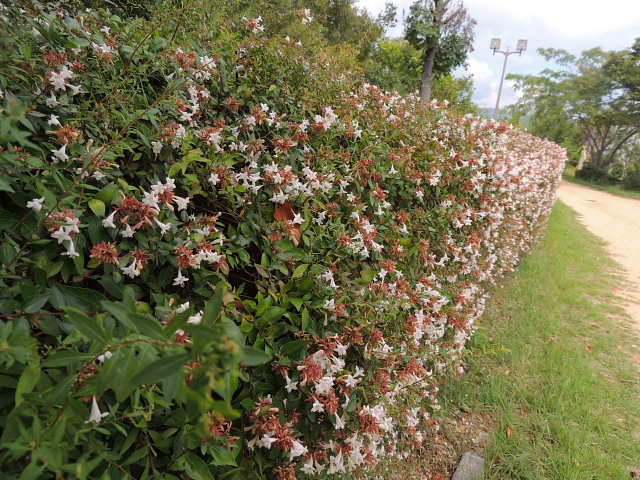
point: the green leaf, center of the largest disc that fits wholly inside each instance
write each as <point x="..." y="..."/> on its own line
<point x="194" y="155"/>
<point x="171" y="385"/>
<point x="200" y="332"/>
<point x="32" y="471"/>
<point x="252" y="356"/>
<point x="366" y="276"/>
<point x="137" y="455"/>
<point x="295" y="350"/>
<point x="131" y="437"/>
<point x="28" y="381"/>
<point x="297" y="302"/>
<point x="223" y="456"/>
<point x="121" y="311"/>
<point x="76" y="297"/>
<point x="8" y="218"/>
<point x="226" y="385"/>
<point x="7" y="381"/>
<point x="97" y="206"/>
<point x="148" y="325"/>
<point x="5" y="186"/>
<point x="7" y="252"/>
<point x="117" y="372"/>
<point x="213" y="307"/>
<point x="86" y="325"/>
<point x="271" y="315"/>
<point x="232" y="330"/>
<point x="161" y="369"/>
<point x="65" y="357"/>
<point x="61" y="391"/>
<point x="135" y="321"/>
<point x="196" y="468"/>
<point x="107" y="193"/>
<point x="300" y="270"/>
<point x="36" y="303"/>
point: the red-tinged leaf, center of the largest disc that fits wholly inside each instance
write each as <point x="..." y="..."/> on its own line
<point x="283" y="212"/>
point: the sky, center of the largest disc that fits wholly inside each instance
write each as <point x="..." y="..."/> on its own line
<point x="573" y="25"/>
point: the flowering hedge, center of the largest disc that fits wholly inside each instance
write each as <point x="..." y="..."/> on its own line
<point x="232" y="259"/>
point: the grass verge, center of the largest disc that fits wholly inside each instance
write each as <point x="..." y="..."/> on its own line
<point x="569" y="176"/>
<point x="552" y="366"/>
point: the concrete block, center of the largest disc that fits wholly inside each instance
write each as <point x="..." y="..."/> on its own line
<point x="471" y="467"/>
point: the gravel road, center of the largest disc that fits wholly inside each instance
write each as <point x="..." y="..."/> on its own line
<point x="617" y="221"/>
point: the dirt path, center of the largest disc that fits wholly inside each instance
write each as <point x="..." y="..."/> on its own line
<point x="617" y="221"/>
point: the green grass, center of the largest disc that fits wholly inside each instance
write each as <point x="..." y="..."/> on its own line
<point x="569" y="176"/>
<point x="551" y="366"/>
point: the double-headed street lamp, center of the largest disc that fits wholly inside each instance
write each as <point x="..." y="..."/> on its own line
<point x="521" y="46"/>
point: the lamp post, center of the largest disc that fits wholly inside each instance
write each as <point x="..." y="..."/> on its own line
<point x="521" y="46"/>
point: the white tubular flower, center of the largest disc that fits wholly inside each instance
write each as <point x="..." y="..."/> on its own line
<point x="195" y="319"/>
<point x="156" y="146"/>
<point x="75" y="89"/>
<point x="183" y="307"/>
<point x="291" y="385"/>
<point x="36" y="204"/>
<point x="180" y="279"/>
<point x="53" y="120"/>
<point x="60" y="155"/>
<point x="57" y="81"/>
<point x="181" y="202"/>
<point x="127" y="232"/>
<point x="61" y="235"/>
<point x="266" y="441"/>
<point x="151" y="199"/>
<point x="308" y="467"/>
<point x="71" y="250"/>
<point x="132" y="270"/>
<point x="317" y="407"/>
<point x="96" y="415"/>
<point x="108" y="222"/>
<point x="52" y="101"/>
<point x="164" y="227"/>
<point x="297" y="449"/>
<point x="339" y="423"/>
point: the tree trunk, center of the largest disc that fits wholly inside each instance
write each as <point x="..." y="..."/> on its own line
<point x="427" y="74"/>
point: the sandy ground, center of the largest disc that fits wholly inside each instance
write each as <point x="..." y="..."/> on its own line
<point x="617" y="221"/>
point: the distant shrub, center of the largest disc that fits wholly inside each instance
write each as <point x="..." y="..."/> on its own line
<point x="229" y="258"/>
<point x="631" y="180"/>
<point x="593" y="174"/>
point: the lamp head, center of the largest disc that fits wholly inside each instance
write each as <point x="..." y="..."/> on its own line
<point x="521" y="46"/>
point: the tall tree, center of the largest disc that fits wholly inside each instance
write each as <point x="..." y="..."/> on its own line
<point x="581" y="95"/>
<point x="388" y="17"/>
<point x="623" y="68"/>
<point x="395" y="65"/>
<point x="443" y="31"/>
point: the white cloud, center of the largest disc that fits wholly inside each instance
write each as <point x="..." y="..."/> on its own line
<point x="573" y="25"/>
<point x="480" y="69"/>
<point x="571" y="18"/>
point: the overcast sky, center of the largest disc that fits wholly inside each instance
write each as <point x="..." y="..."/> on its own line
<point x="574" y="25"/>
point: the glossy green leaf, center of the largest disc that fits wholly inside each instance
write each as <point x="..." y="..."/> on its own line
<point x="97" y="206"/>
<point x="161" y="369"/>
<point x="86" y="325"/>
<point x="252" y="356"/>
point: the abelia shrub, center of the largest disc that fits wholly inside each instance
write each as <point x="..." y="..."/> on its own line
<point x="233" y="259"/>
